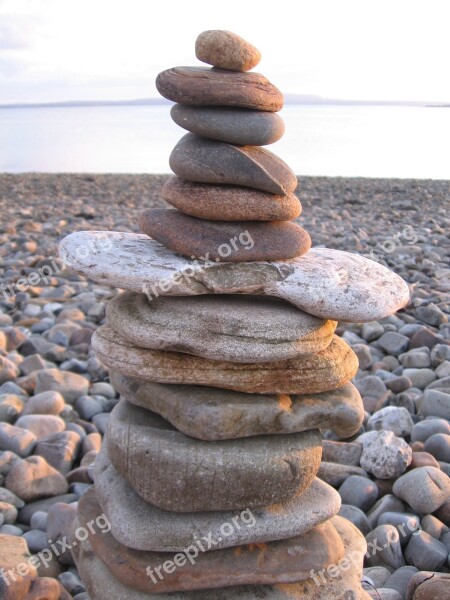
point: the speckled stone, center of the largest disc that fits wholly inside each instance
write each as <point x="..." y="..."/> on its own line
<point x="198" y="159"/>
<point x="280" y="561"/>
<point x="140" y="525"/>
<point x="327" y="283"/>
<point x="233" y="125"/>
<point x="214" y="414"/>
<point x="100" y="583"/>
<point x="235" y="328"/>
<point x="229" y="202"/>
<point x="226" y="50"/>
<point x="201" y="86"/>
<point x="327" y="370"/>
<point x="220" y="241"/>
<point x="178" y="473"/>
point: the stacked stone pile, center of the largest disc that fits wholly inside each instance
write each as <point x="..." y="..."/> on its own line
<point x="223" y="349"/>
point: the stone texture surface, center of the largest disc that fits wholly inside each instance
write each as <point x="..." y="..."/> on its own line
<point x="226" y="50"/>
<point x="327" y="283"/>
<point x="140" y="525"/>
<point x="214" y="414"/>
<point x="234" y="328"/>
<point x="281" y="561"/>
<point x="179" y="473"/>
<point x="229" y="202"/>
<point x="207" y="161"/>
<point x="220" y="241"/>
<point x="343" y="585"/>
<point x="231" y="125"/>
<point x="424" y="489"/>
<point x="14" y="554"/>
<point x="384" y="455"/>
<point x="200" y="86"/>
<point x="33" y="478"/>
<point x="329" y="369"/>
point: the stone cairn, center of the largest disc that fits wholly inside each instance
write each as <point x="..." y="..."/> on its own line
<point x="223" y="350"/>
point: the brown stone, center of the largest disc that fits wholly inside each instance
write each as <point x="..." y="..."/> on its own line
<point x="200" y="86"/>
<point x="423" y="459"/>
<point x="229" y="202"/>
<point x="33" y="478"/>
<point x="17" y="573"/>
<point x="232" y="125"/>
<point x="235" y="328"/>
<point x="44" y="588"/>
<point x="238" y="241"/>
<point x="226" y="50"/>
<point x="284" y="561"/>
<point x="327" y="370"/>
<point x="213" y="414"/>
<point x="342" y="583"/>
<point x="198" y="159"/>
<point x="182" y="474"/>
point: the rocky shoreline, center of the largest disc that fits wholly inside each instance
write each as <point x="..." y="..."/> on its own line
<point x="55" y="398"/>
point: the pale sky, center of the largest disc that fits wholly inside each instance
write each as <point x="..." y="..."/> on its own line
<point x="52" y="50"/>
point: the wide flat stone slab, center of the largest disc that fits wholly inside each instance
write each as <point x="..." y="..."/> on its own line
<point x="327" y="283"/>
<point x="178" y="473"/>
<point x="201" y="86"/>
<point x="327" y="370"/>
<point x="189" y="236"/>
<point x="233" y="125"/>
<point x="142" y="526"/>
<point x="213" y="414"/>
<point x="234" y="328"/>
<point x="281" y="561"/>
<point x="344" y="585"/>
<point x="200" y="159"/>
<point x="229" y="202"/>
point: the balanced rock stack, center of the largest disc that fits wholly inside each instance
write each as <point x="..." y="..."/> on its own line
<point x="223" y="350"/>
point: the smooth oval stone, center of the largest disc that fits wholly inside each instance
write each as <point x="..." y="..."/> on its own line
<point x="345" y="583"/>
<point x="177" y="473"/>
<point x="226" y="50"/>
<point x="321" y="372"/>
<point x="200" y="86"/>
<point x="281" y="561"/>
<point x="324" y="282"/>
<point x="140" y="525"/>
<point x="239" y="126"/>
<point x="220" y="241"/>
<point x="236" y="328"/>
<point x="214" y="414"/>
<point x="198" y="159"/>
<point x="229" y="202"/>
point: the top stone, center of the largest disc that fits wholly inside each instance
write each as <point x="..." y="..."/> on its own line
<point x="226" y="50"/>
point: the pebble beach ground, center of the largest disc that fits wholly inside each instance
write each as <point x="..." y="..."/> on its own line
<point x="55" y="398"/>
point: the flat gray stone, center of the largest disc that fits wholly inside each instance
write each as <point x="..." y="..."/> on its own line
<point x="214" y="414"/>
<point x="177" y="473"/>
<point x="100" y="583"/>
<point x="327" y="370"/>
<point x="235" y="328"/>
<point x="142" y="526"/>
<point x="232" y="125"/>
<point x="323" y="282"/>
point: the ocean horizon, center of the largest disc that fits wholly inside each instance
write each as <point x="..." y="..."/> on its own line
<point x="347" y="140"/>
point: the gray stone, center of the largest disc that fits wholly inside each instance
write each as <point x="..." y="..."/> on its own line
<point x="384" y="455"/>
<point x="385" y="504"/>
<point x="33" y="478"/>
<point x="345" y="453"/>
<point x="405" y="523"/>
<point x="420" y="378"/>
<point x="356" y="516"/>
<point x="26" y="513"/>
<point x="425" y="429"/>
<point x="11" y="406"/>
<point x="372" y="331"/>
<point x="59" y="523"/>
<point x="213" y="414"/>
<point x="335" y="474"/>
<point x="17" y="440"/>
<point x="36" y="540"/>
<point x="231" y="125"/>
<point x="439" y="354"/>
<point x="425" y="489"/>
<point x="39" y="520"/>
<point x="378" y="575"/>
<point x="431" y="315"/>
<point x="88" y="406"/>
<point x="392" y="418"/>
<point x="425" y="552"/>
<point x="60" y="450"/>
<point x="8" y="513"/>
<point x="70" y="385"/>
<point x="236" y="328"/>
<point x="365" y="291"/>
<point x="140" y="525"/>
<point x="10" y="498"/>
<point x="173" y="471"/>
<point x="45" y="403"/>
<point x="359" y="491"/>
<point x="41" y="425"/>
<point x="439" y="446"/>
<point x="436" y="403"/>
<point x="384" y="547"/>
<point x="415" y="359"/>
<point x="393" y="342"/>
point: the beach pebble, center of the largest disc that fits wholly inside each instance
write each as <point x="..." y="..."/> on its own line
<point x="39" y="520"/>
<point x="392" y="418"/>
<point x="41" y="425"/>
<point x="405" y="523"/>
<point x="59" y="524"/>
<point x="424" y="489"/>
<point x="17" y="440"/>
<point x="60" y="450"/>
<point x="434" y="527"/>
<point x="226" y="50"/>
<point x="425" y="552"/>
<point x="378" y="575"/>
<point x="420" y="378"/>
<point x="384" y="547"/>
<point x="423" y="459"/>
<point x="427" y="585"/>
<point x="36" y="540"/>
<point x="425" y="429"/>
<point x="8" y="513"/>
<point x="384" y="455"/>
<point x="359" y="491"/>
<point x="11" y="406"/>
<point x="399" y="579"/>
<point x="415" y="359"/>
<point x="431" y="315"/>
<point x="70" y="385"/>
<point x="393" y="343"/>
<point x="439" y="446"/>
<point x="33" y="478"/>
<point x="387" y="503"/>
<point x="356" y="516"/>
<point x="45" y="403"/>
<point x="436" y="403"/>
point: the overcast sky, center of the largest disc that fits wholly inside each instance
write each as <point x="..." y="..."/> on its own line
<point x="53" y="50"/>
